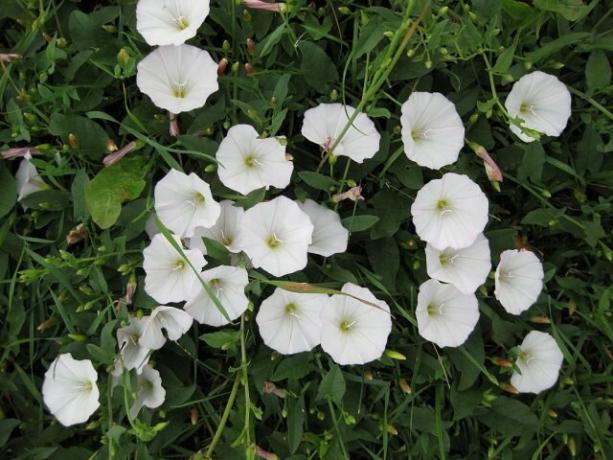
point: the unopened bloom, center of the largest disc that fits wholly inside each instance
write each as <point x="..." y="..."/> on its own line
<point x="184" y="202"/>
<point x="28" y="180"/>
<point x="539" y="363"/>
<point x="353" y="331"/>
<point x="542" y="102"/>
<point x="329" y="235"/>
<point x="248" y="162"/>
<point x="353" y="194"/>
<point x="133" y="354"/>
<point x="149" y="391"/>
<point x="450" y="212"/>
<point x="19" y="152"/>
<point x="177" y="78"/>
<point x="169" y="277"/>
<point x="289" y="322"/>
<point x="172" y="320"/>
<point x="432" y="130"/>
<point x="117" y="155"/>
<point x="465" y="268"/>
<point x="70" y="390"/>
<point x="519" y="280"/>
<point x="494" y="173"/>
<point x="276" y="236"/>
<point x="225" y="230"/>
<point x="325" y="123"/>
<point x="265" y="5"/>
<point x="170" y="22"/>
<point x="445" y="316"/>
<point x="228" y="284"/>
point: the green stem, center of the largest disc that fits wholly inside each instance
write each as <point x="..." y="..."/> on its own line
<point x="224" y="417"/>
<point x="594" y="103"/>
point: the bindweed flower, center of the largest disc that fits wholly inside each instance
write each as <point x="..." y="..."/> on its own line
<point x="70" y="390"/>
<point x="149" y="391"/>
<point x="225" y="230"/>
<point x="264" y="5"/>
<point x="542" y="102"/>
<point x="465" y="268"/>
<point x="289" y="322"/>
<point x="169" y="277"/>
<point x="10" y="57"/>
<point x="133" y="355"/>
<point x="173" y="320"/>
<point x="432" y="130"/>
<point x="19" y="152"/>
<point x="450" y="212"/>
<point x="519" y="280"/>
<point x="353" y="194"/>
<point x="28" y="180"/>
<point x="170" y="22"/>
<point x="248" y="162"/>
<point x="445" y="316"/>
<point x="494" y="173"/>
<point x="355" y="332"/>
<point x="228" y="284"/>
<point x="177" y="78"/>
<point x="325" y="123"/>
<point x="117" y="155"/>
<point x="539" y="363"/>
<point x="329" y="235"/>
<point x="276" y="236"/>
<point x="184" y="202"/>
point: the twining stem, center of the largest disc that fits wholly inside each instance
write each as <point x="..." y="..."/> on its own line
<point x="595" y="103"/>
<point x="224" y="417"/>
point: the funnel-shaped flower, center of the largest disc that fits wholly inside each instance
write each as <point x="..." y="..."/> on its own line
<point x="325" y="123"/>
<point x="28" y="180"/>
<point x="519" y="280"/>
<point x="170" y="22"/>
<point x="228" y="284"/>
<point x="355" y="332"/>
<point x="543" y="103"/>
<point x="172" y="320"/>
<point x="133" y="355"/>
<point x="183" y="203"/>
<point x="225" y="230"/>
<point x="450" y="212"/>
<point x="177" y="78"/>
<point x="432" y="130"/>
<point x="276" y="236"/>
<point x="329" y="235"/>
<point x="248" y="162"/>
<point x="149" y="391"/>
<point x="289" y="322"/>
<point x="70" y="390"/>
<point x="445" y="316"/>
<point x="465" y="268"/>
<point x="539" y="363"/>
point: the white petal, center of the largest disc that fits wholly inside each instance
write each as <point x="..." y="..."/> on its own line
<point x="177" y="78"/>
<point x="539" y="362"/>
<point x="445" y="316"/>
<point x="174" y="321"/>
<point x="519" y="280"/>
<point x="354" y="332"/>
<point x="329" y="235"/>
<point x="70" y="390"/>
<point x="170" y="22"/>
<point x="150" y="392"/>
<point x="28" y="180"/>
<point x="225" y="231"/>
<point x="133" y="355"/>
<point x="229" y="285"/>
<point x="432" y="131"/>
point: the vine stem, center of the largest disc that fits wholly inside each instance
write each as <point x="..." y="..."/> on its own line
<point x="224" y="417"/>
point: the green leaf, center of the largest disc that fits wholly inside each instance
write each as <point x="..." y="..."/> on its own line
<point x="384" y="258"/>
<point x="597" y="70"/>
<point x="359" y="223"/>
<point x="113" y="186"/>
<point x="569" y="9"/>
<point x="532" y="163"/>
<point x="6" y="428"/>
<point x="509" y="417"/>
<point x="317" y="181"/>
<point x="90" y="137"/>
<point x="295" y="422"/>
<point x="8" y="191"/>
<point x="224" y="339"/>
<point x="317" y="68"/>
<point x="332" y="386"/>
<point x="392" y="209"/>
<point x="293" y="367"/>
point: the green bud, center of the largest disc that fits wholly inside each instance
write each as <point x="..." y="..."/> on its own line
<point x="210" y="168"/>
<point x="344" y="10"/>
<point x="78" y="337"/>
<point x="411" y="52"/>
<point x="527" y="65"/>
<point x="428" y="64"/>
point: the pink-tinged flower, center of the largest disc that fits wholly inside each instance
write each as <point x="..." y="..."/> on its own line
<point x="10" y="57"/>
<point x="173" y="127"/>
<point x="494" y="174"/>
<point x="262" y="5"/>
<point x="119" y="154"/>
<point x="19" y="152"/>
<point x="353" y="194"/>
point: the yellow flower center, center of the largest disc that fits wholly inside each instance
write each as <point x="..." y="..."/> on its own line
<point x="179" y="91"/>
<point x="442" y="205"/>
<point x="180" y="265"/>
<point x="345" y="325"/>
<point x="182" y="23"/>
<point x="273" y="241"/>
<point x="443" y="259"/>
<point x="198" y="198"/>
<point x="432" y="310"/>
<point x="251" y="161"/>
<point x="291" y="308"/>
<point x="526" y="107"/>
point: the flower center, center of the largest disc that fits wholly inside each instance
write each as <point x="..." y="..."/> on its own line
<point x="291" y="308"/>
<point x="443" y="206"/>
<point x="181" y="23"/>
<point x="226" y="240"/>
<point x="179" y="91"/>
<point x="198" y="198"/>
<point x="251" y="161"/>
<point x="87" y="386"/>
<point x="346" y="325"/>
<point x="443" y="258"/>
<point x="273" y="241"/>
<point x="526" y="108"/>
<point x="179" y="265"/>
<point x="215" y="282"/>
<point x="432" y="310"/>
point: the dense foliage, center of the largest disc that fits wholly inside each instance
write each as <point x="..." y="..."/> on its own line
<point x="73" y="93"/>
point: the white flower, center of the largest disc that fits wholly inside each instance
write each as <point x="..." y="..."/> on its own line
<point x="183" y="203"/>
<point x="173" y="320"/>
<point x="289" y="322"/>
<point x="133" y="355"/>
<point x="228" y="284"/>
<point x="465" y="268"/>
<point x="432" y="130"/>
<point x="225" y="230"/>
<point x="329" y="235"/>
<point x="445" y="316"/>
<point x="539" y="362"/>
<point x="276" y="236"/>
<point x="28" y="180"/>
<point x="70" y="390"/>
<point x="354" y="332"/>
<point x="170" y="22"/>
<point x="324" y="124"/>
<point x="519" y="280"/>
<point x="247" y="162"/>
<point x="177" y="78"/>
<point x="543" y="103"/>
<point x="149" y="391"/>
<point x="450" y="212"/>
<point x="169" y="278"/>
